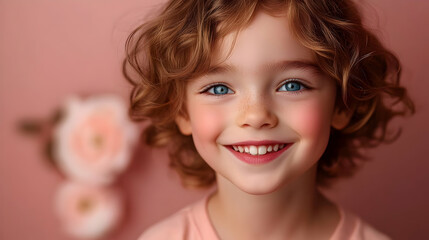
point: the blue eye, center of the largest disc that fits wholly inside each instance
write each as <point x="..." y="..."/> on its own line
<point x="219" y="89"/>
<point x="291" y="86"/>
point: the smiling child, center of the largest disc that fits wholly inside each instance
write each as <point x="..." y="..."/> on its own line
<point x="268" y="100"/>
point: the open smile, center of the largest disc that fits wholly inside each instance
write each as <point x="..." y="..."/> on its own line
<point x="258" y="152"/>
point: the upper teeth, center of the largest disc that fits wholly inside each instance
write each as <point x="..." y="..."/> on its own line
<point x="258" y="150"/>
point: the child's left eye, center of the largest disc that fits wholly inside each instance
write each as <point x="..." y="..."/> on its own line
<point x="291" y="86"/>
<point x="219" y="89"/>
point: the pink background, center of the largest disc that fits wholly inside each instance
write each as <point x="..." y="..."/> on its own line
<point x="50" y="49"/>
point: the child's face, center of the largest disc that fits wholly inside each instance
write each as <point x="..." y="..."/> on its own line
<point x="268" y="92"/>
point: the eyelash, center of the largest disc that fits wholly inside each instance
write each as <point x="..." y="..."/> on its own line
<point x="302" y="87"/>
<point x="293" y="80"/>
<point x="212" y="86"/>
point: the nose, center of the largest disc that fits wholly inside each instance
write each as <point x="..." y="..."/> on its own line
<point x="256" y="112"/>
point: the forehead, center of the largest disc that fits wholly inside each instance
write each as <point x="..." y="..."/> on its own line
<point x="265" y="43"/>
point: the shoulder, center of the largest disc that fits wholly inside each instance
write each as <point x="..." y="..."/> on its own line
<point x="184" y="224"/>
<point x="173" y="227"/>
<point x="354" y="228"/>
<point x="366" y="231"/>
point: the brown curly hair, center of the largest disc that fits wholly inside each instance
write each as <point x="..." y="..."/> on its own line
<point x="176" y="46"/>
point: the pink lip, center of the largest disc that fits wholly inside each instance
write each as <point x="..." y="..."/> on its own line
<point x="256" y="159"/>
<point x="257" y="143"/>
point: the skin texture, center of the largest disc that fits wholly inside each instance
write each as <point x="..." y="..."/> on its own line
<point x="278" y="198"/>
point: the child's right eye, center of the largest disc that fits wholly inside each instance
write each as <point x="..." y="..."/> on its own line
<point x="218" y="89"/>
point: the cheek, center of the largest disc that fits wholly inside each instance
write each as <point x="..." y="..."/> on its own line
<point x="311" y="120"/>
<point x="207" y="125"/>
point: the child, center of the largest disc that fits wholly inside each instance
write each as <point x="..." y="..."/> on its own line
<point x="269" y="100"/>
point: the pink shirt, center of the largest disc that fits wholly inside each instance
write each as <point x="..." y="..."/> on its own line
<point x="193" y="223"/>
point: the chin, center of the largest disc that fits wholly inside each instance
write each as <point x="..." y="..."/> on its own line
<point x="260" y="187"/>
<point x="259" y="191"/>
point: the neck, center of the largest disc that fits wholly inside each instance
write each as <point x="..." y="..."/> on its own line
<point x="288" y="211"/>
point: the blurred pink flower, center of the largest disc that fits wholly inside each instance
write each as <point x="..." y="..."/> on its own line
<point x="88" y="212"/>
<point x="94" y="140"/>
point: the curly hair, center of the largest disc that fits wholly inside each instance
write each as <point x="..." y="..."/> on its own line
<point x="163" y="54"/>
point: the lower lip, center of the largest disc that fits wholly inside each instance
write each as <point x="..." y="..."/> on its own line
<point x="258" y="159"/>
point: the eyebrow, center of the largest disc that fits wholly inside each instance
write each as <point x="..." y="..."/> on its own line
<point x="275" y="66"/>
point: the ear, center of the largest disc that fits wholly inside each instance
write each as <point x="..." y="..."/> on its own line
<point x="184" y="124"/>
<point x="341" y="117"/>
